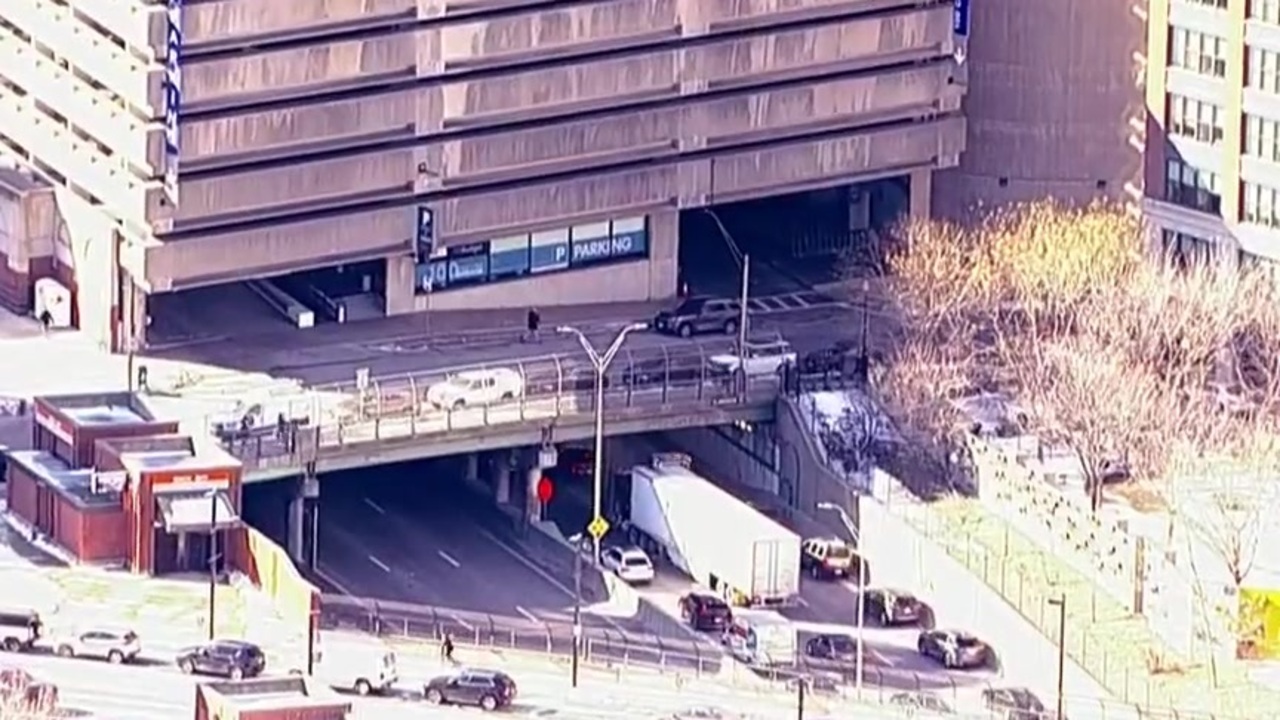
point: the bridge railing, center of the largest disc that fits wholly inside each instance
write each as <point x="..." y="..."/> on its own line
<point x="554" y="386"/>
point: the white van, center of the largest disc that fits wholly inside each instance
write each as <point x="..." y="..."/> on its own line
<point x="359" y="667"/>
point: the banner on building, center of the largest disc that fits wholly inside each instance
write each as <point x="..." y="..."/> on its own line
<point x="172" y="99"/>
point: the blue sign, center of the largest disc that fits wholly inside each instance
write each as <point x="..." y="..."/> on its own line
<point x="426" y="234"/>
<point x="549" y="256"/>
<point x="960" y="21"/>
<point x="172" y="99"/>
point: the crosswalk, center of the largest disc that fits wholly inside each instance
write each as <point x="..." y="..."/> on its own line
<point x="790" y="302"/>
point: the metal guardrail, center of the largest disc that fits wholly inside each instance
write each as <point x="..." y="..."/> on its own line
<point x="616" y="651"/>
<point x="552" y="387"/>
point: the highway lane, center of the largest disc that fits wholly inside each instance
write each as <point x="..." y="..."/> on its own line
<point x="415" y="536"/>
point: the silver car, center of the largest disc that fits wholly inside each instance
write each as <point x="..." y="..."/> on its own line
<point x="110" y="644"/>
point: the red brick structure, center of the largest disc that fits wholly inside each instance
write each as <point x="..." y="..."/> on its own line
<point x="110" y="483"/>
<point x="288" y="698"/>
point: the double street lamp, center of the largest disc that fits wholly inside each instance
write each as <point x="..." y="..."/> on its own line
<point x="600" y="362"/>
<point x="862" y="592"/>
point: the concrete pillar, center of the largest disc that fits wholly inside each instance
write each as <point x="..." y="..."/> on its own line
<point x="921" y="194"/>
<point x="304" y="506"/>
<point x="533" y="510"/>
<point x="664" y="253"/>
<point x="501" y="469"/>
<point x="401" y="279"/>
<point x="473" y="467"/>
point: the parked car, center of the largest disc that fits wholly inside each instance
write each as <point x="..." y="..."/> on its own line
<point x="700" y="315"/>
<point x="487" y="689"/>
<point x="115" y="645"/>
<point x="831" y="559"/>
<point x="761" y="358"/>
<point x="955" y="649"/>
<point x="921" y="703"/>
<point x="629" y="563"/>
<point x="476" y="388"/>
<point x="888" y="607"/>
<point x="681" y="369"/>
<point x="234" y="659"/>
<point x="1016" y="703"/>
<point x="360" y="667"/>
<point x="20" y="628"/>
<point x="705" y="612"/>
<point x="832" y="647"/>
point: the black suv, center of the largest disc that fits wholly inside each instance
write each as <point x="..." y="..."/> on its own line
<point x="887" y="607"/>
<point x="1016" y="703"/>
<point x="234" y="659"/>
<point x="488" y="689"/>
<point x="705" y="613"/>
<point x="700" y="315"/>
<point x="19" y="629"/>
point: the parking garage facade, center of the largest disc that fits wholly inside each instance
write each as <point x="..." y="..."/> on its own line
<point x="475" y="154"/>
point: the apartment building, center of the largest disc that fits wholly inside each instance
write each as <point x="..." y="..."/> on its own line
<point x="1213" y="150"/>
<point x="479" y="153"/>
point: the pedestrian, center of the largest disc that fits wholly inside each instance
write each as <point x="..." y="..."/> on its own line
<point x="446" y="647"/>
<point x="532" y="321"/>
<point x="46" y="320"/>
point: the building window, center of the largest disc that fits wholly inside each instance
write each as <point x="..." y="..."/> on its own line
<point x="1265" y="10"/>
<point x="1196" y="119"/>
<point x="1219" y="4"/>
<point x="1184" y="250"/>
<point x="1198" y="52"/>
<point x="517" y="256"/>
<point x="1262" y="71"/>
<point x="1192" y="188"/>
<point x="1259" y="204"/>
<point x="1262" y="138"/>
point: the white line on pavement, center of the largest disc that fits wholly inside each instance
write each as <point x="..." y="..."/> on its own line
<point x="376" y="507"/>
<point x="449" y="558"/>
<point x="379" y="563"/>
<point x="466" y="625"/>
<point x="527" y="614"/>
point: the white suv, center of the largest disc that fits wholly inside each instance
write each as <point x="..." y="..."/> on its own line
<point x="112" y="645"/>
<point x="630" y="564"/>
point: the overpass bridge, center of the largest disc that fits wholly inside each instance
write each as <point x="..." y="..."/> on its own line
<point x="393" y="419"/>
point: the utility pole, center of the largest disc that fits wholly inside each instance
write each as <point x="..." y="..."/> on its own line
<point x="577" y="609"/>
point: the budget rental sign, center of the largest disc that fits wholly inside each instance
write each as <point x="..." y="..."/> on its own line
<point x="172" y="98"/>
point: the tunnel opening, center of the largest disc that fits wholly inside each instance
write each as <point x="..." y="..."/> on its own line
<point x="800" y="245"/>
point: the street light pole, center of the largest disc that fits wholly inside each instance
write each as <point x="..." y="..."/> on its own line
<point x="1061" y="603"/>
<point x="601" y="364"/>
<point x="744" y="261"/>
<point x="213" y="559"/>
<point x="577" y="608"/>
<point x="861" y="607"/>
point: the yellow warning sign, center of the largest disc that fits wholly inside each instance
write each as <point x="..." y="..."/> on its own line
<point x="598" y="527"/>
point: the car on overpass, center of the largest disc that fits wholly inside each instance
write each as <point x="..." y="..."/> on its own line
<point x="476" y="388"/>
<point x="766" y="357"/>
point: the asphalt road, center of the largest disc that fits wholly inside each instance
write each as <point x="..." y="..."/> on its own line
<point x="806" y="329"/>
<point x="415" y="536"/>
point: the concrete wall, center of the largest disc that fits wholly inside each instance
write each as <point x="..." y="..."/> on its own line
<point x="1055" y="104"/>
<point x="815" y="481"/>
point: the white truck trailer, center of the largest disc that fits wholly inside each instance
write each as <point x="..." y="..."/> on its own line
<point x="714" y="537"/>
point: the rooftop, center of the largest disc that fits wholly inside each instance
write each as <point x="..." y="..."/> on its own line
<point x="80" y="486"/>
<point x="191" y="459"/>
<point x="287" y="693"/>
<point x="115" y="408"/>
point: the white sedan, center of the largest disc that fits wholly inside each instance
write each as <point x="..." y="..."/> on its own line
<point x="630" y="564"/>
<point x="476" y="388"/>
<point x="762" y="358"/>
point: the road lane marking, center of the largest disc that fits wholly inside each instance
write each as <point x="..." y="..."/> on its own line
<point x="376" y="507"/>
<point x="527" y="614"/>
<point x="539" y="572"/>
<point x="448" y="558"/>
<point x="379" y="563"/>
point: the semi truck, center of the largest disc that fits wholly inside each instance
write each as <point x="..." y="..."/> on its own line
<point x="712" y="536"/>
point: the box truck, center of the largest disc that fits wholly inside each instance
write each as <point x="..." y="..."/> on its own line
<point x="715" y="538"/>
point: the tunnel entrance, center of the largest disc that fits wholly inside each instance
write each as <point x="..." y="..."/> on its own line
<point x="798" y="243"/>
